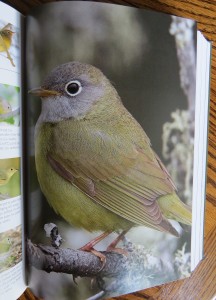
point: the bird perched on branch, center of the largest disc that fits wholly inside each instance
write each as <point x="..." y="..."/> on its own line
<point x="6" y="174"/>
<point x="6" y="34"/>
<point x="94" y="161"/>
<point x="5" y="107"/>
<point x="5" y="245"/>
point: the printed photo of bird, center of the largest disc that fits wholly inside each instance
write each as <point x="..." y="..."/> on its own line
<point x="6" y="175"/>
<point x="9" y="104"/>
<point x="5" y="245"/>
<point x="5" y="107"/>
<point x="10" y="248"/>
<point x="94" y="161"/>
<point x="6" y="36"/>
<point x="5" y="251"/>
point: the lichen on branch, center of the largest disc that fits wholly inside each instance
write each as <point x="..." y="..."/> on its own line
<point x="138" y="268"/>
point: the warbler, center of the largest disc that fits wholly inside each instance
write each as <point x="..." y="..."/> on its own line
<point x="94" y="162"/>
<point x="5" y="107"/>
<point x="6" y="35"/>
<point x="6" y="174"/>
<point x="5" y="245"/>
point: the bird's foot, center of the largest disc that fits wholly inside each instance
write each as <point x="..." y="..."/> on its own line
<point x="101" y="256"/>
<point x="89" y="247"/>
<point x="112" y="246"/>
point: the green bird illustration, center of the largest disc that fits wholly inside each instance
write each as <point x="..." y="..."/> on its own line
<point x="6" y="174"/>
<point x="5" y="107"/>
<point x="5" y="251"/>
<point x="94" y="161"/>
<point x="5" y="245"/>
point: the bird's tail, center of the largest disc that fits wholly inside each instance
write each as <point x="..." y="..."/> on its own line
<point x="173" y="208"/>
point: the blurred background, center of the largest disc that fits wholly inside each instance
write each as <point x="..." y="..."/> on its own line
<point x="134" y="49"/>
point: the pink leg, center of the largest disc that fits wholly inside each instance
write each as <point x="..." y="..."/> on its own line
<point x="89" y="247"/>
<point x="112" y="246"/>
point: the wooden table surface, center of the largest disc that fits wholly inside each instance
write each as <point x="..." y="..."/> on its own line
<point x="202" y="284"/>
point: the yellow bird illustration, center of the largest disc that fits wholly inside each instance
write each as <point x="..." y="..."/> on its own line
<point x="6" y="35"/>
<point x="6" y="174"/>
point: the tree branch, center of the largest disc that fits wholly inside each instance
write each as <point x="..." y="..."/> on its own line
<point x="182" y="30"/>
<point x="178" y="135"/>
<point x="138" y="268"/>
<point x="75" y="262"/>
<point x="10" y="114"/>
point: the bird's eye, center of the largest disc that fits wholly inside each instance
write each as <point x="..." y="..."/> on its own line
<point x="73" y="87"/>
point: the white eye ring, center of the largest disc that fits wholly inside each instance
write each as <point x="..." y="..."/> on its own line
<point x="75" y="88"/>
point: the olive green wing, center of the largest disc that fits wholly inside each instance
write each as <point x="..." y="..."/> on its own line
<point x="116" y="173"/>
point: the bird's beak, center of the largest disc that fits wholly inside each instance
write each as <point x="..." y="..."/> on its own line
<point x="43" y="92"/>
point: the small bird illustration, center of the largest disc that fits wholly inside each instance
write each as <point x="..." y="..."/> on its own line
<point x="95" y="163"/>
<point x="5" y="250"/>
<point x="6" y="174"/>
<point x="6" y="34"/>
<point x="5" y="245"/>
<point x="5" y="107"/>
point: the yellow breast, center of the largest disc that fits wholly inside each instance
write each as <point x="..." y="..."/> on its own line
<point x="66" y="199"/>
<point x="5" y="43"/>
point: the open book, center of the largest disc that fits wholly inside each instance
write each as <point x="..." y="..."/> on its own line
<point x="102" y="181"/>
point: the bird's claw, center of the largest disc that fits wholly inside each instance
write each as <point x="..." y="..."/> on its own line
<point x="101" y="256"/>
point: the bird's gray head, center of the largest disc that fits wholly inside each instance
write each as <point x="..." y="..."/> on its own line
<point x="70" y="91"/>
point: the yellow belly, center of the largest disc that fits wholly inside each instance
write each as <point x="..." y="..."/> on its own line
<point x="68" y="201"/>
<point x="4" y="44"/>
<point x="3" y="181"/>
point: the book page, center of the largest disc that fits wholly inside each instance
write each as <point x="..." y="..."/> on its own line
<point x="11" y="266"/>
<point x="201" y="147"/>
<point x="110" y="149"/>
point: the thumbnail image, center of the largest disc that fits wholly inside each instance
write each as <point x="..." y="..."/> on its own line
<point x="9" y="104"/>
<point x="10" y="248"/>
<point x="9" y="46"/>
<point x="9" y="178"/>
